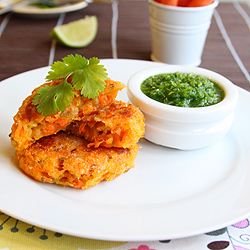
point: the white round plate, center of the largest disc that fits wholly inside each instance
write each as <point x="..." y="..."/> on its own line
<point x="169" y="194"/>
<point x="34" y="11"/>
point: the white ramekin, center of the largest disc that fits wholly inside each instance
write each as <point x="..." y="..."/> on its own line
<point x="179" y="127"/>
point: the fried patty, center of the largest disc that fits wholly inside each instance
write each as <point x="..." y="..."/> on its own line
<point x="65" y="159"/>
<point x="93" y="140"/>
<point x="29" y="126"/>
<point x="118" y="124"/>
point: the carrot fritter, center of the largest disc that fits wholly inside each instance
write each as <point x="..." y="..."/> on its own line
<point x="29" y="126"/>
<point x="65" y="159"/>
<point x="118" y="124"/>
<point x="93" y="140"/>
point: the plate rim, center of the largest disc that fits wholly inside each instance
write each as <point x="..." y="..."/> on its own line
<point x="121" y="238"/>
<point x="49" y="11"/>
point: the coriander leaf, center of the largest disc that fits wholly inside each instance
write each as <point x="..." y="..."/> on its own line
<point x="69" y="64"/>
<point x="90" y="80"/>
<point x="87" y="76"/>
<point x="51" y="99"/>
<point x="76" y="62"/>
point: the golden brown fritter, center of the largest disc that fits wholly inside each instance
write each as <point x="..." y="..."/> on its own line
<point x="29" y="126"/>
<point x="118" y="124"/>
<point x="65" y="159"/>
<point x="93" y="140"/>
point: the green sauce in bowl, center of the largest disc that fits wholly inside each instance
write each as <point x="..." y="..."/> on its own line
<point x="182" y="89"/>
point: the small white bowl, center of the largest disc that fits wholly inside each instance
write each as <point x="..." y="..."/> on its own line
<point x="179" y="127"/>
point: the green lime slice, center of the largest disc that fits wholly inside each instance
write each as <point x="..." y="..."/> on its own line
<point x="78" y="33"/>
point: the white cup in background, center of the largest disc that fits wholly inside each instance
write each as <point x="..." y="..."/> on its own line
<point x="179" y="33"/>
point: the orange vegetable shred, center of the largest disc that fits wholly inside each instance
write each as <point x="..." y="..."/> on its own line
<point x="183" y="3"/>
<point x="170" y="2"/>
<point x="199" y="3"/>
<point x="186" y="3"/>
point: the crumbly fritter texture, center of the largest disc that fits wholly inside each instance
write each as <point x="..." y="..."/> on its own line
<point x="29" y="126"/>
<point x="118" y="124"/>
<point x="66" y="160"/>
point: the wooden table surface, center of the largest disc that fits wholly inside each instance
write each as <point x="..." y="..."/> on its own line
<point x="25" y="44"/>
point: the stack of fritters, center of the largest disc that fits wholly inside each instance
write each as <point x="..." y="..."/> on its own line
<point x="91" y="141"/>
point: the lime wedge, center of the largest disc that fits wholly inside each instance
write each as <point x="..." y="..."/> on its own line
<point x="78" y="33"/>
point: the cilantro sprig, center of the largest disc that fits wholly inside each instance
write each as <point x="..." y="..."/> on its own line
<point x="87" y="76"/>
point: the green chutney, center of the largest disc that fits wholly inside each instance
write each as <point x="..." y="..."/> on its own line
<point x="182" y="89"/>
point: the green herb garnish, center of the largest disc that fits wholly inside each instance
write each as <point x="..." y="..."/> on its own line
<point x="87" y="76"/>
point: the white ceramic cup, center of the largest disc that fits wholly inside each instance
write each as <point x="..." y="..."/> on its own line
<point x="180" y="127"/>
<point x="179" y="33"/>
